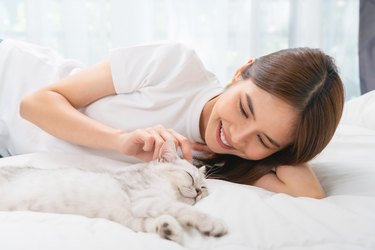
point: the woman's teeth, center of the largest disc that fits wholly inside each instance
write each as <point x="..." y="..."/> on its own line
<point x="223" y="139"/>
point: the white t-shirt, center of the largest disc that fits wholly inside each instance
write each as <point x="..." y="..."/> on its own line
<point x="163" y="83"/>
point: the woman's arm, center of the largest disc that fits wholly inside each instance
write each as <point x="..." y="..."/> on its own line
<point x="293" y="180"/>
<point x="55" y="109"/>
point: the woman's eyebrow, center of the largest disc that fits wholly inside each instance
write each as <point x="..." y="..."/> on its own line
<point x="251" y="107"/>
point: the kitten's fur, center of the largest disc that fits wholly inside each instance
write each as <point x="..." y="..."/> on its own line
<point x="150" y="197"/>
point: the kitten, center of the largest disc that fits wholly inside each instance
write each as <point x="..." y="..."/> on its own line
<point x="154" y="197"/>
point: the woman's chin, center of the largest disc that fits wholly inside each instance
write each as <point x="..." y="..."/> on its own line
<point x="215" y="149"/>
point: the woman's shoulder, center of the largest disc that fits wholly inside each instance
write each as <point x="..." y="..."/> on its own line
<point x="164" y="63"/>
<point x="165" y="53"/>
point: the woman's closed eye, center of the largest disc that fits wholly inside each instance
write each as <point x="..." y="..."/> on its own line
<point x="262" y="141"/>
<point x="244" y="113"/>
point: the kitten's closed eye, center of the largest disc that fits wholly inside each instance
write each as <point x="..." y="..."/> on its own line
<point x="192" y="178"/>
<point x="193" y="188"/>
<point x="198" y="189"/>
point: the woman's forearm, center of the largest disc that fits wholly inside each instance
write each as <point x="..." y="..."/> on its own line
<point x="54" y="114"/>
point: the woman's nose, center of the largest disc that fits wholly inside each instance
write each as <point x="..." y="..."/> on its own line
<point x="241" y="135"/>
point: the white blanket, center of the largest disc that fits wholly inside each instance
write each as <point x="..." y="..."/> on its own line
<point x="257" y="219"/>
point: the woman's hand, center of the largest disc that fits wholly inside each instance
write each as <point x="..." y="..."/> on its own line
<point x="293" y="180"/>
<point x="203" y="148"/>
<point x="145" y="144"/>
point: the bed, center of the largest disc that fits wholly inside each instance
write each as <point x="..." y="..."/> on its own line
<point x="257" y="219"/>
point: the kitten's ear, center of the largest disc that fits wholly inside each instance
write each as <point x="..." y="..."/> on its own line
<point x="168" y="152"/>
<point x="203" y="170"/>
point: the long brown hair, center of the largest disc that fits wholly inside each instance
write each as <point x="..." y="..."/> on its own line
<point x="308" y="80"/>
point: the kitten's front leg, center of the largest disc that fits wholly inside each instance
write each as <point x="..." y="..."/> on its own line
<point x="204" y="223"/>
<point x="164" y="225"/>
<point x="167" y="227"/>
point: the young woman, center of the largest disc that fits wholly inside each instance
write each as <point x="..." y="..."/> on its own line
<point x="279" y="111"/>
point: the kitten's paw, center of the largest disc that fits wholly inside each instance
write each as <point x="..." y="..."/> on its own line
<point x="169" y="228"/>
<point x="210" y="226"/>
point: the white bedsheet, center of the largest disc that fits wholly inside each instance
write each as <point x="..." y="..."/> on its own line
<point x="257" y="219"/>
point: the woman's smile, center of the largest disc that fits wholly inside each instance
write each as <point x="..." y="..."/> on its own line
<point x="221" y="137"/>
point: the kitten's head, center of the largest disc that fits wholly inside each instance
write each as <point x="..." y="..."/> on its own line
<point x="187" y="180"/>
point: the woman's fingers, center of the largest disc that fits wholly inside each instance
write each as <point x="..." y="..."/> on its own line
<point x="138" y="143"/>
<point x="146" y="143"/>
<point x="169" y="134"/>
<point x="184" y="144"/>
<point x="158" y="141"/>
<point x="201" y="147"/>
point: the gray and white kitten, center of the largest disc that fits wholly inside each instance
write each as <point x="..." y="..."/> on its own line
<point x="154" y="197"/>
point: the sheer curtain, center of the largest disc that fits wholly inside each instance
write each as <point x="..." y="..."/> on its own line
<point x="225" y="33"/>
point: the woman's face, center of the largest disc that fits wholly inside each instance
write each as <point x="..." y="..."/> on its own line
<point x="248" y="122"/>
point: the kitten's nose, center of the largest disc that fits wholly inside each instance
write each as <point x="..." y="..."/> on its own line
<point x="199" y="192"/>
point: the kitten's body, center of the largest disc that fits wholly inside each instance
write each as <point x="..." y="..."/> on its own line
<point x="151" y="197"/>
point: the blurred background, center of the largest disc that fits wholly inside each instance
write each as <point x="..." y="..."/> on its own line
<point x="225" y="33"/>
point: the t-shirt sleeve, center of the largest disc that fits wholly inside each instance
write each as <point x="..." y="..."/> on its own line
<point x="142" y="66"/>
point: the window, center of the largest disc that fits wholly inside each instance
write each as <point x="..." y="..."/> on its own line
<point x="225" y="33"/>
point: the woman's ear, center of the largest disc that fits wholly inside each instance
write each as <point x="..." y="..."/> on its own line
<point x="238" y="75"/>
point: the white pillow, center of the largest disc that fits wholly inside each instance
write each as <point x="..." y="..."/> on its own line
<point x="360" y="111"/>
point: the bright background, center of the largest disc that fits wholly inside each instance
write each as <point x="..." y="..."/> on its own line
<point x="225" y="33"/>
